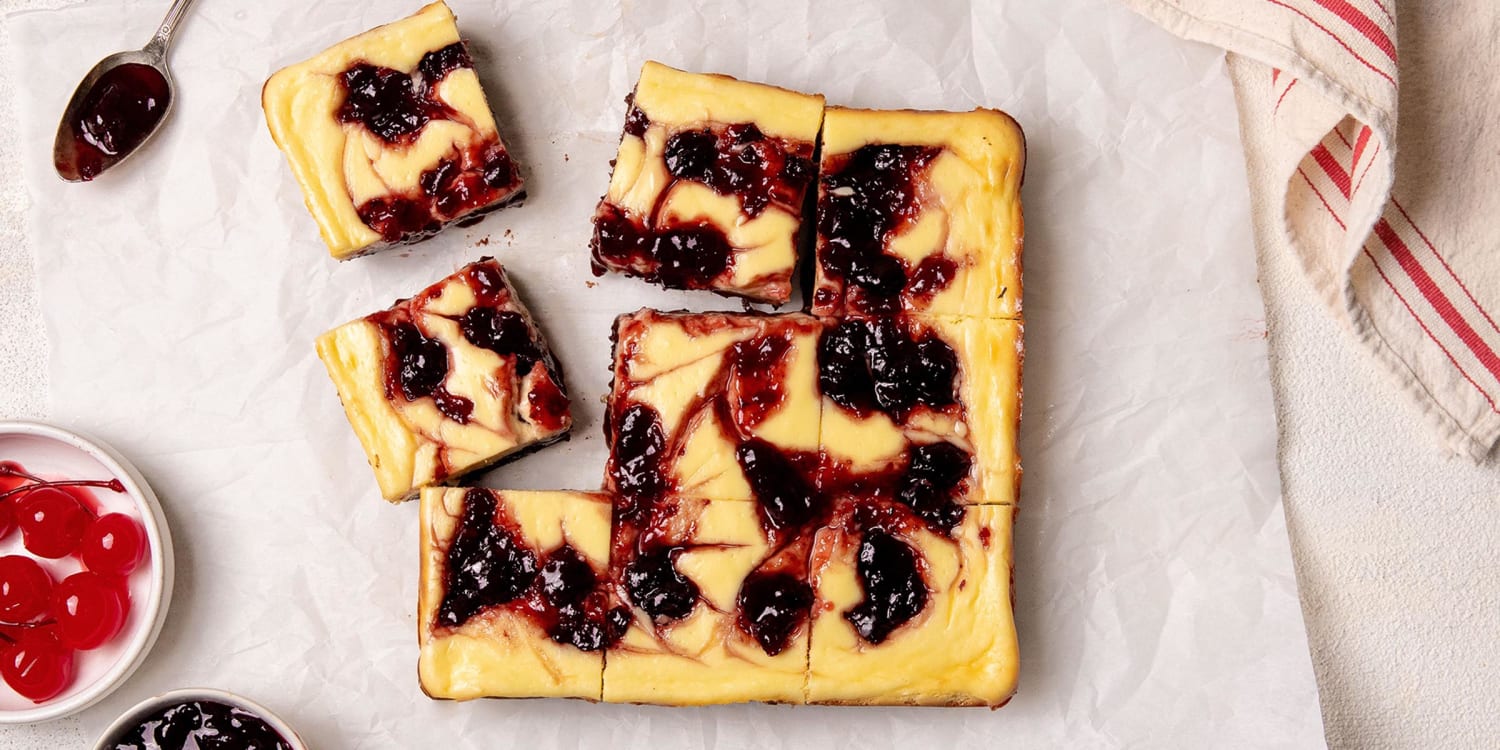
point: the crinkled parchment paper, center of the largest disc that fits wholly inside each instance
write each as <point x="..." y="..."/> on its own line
<point x="1154" y="586"/>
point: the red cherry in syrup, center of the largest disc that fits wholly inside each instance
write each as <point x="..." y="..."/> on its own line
<point x="37" y="665"/>
<point x="52" y="522"/>
<point x="90" y="609"/>
<point x="7" y="518"/>
<point x="113" y="545"/>
<point x="25" y="589"/>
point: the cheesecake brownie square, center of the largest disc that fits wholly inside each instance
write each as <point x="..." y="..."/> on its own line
<point x="390" y="136"/>
<point x="719" y="406"/>
<point x="907" y="616"/>
<point x="719" y="605"/>
<point x="709" y="183"/>
<point x="513" y="599"/>
<point x="921" y="410"/>
<point x="448" y="381"/>
<point x="919" y="212"/>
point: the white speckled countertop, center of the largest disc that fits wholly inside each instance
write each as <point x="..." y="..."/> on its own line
<point x="1396" y="543"/>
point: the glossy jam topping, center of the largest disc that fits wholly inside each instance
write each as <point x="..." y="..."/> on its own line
<point x="489" y="565"/>
<point x="934" y="473"/>
<point x="418" y="365"/>
<point x="760" y="373"/>
<point x="118" y="112"/>
<point x="686" y="256"/>
<point x="773" y="608"/>
<point x="437" y="64"/>
<point x="584" y="618"/>
<point x="503" y="332"/>
<point x="395" y="106"/>
<point x="638" y="456"/>
<point x="206" y="725"/>
<point x="547" y="405"/>
<point x="788" y="502"/>
<point x="736" y="160"/>
<point x="421" y="369"/>
<point x="881" y="365"/>
<point x="742" y="161"/>
<point x="654" y="584"/>
<point x="867" y="196"/>
<point x="893" y="585"/>
<point x="471" y="181"/>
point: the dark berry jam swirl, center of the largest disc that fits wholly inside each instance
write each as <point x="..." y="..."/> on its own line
<point x="638" y="466"/>
<point x="393" y="105"/>
<point x="584" y="617"/>
<point x="489" y="565"/>
<point x="881" y="364"/>
<point x="418" y="364"/>
<point x="202" y="724"/>
<point x="788" y="502"/>
<point x="467" y="183"/>
<point x="894" y="589"/>
<point x="867" y="196"/>
<point x="735" y="160"/>
<point x="653" y="583"/>
<point x="396" y="106"/>
<point x="773" y="608"/>
<point x="689" y="256"/>
<point x="420" y="370"/>
<point x="742" y="161"/>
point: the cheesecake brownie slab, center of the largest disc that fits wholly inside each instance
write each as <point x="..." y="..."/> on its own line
<point x="921" y="410"/>
<point x="718" y="406"/>
<point x="513" y="601"/>
<point x="719" y="605"/>
<point x="448" y="381"/>
<point x="389" y="135"/>
<point x="919" y="212"/>
<point x="708" y="185"/>
<point x="907" y="616"/>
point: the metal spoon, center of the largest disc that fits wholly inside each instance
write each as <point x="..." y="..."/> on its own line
<point x="117" y="107"/>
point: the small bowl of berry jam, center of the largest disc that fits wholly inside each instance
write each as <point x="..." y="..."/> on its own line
<point x="199" y="718"/>
<point x="85" y="571"/>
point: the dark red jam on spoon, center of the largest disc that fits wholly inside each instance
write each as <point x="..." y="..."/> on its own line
<point x="118" y="113"/>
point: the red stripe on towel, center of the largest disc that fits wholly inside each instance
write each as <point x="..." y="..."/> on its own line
<point x="1336" y="38"/>
<point x="1319" y="193"/>
<point x="1361" y="23"/>
<point x="1428" y="331"/>
<point x="1437" y="298"/>
<point x="1446" y="267"/>
<point x="1332" y="167"/>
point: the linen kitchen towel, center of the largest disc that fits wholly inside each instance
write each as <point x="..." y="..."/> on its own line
<point x="1382" y="157"/>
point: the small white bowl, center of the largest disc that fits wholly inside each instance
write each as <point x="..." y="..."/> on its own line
<point x="151" y="705"/>
<point x="50" y="451"/>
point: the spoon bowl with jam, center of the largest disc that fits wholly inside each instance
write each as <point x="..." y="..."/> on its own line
<point x="117" y="107"/>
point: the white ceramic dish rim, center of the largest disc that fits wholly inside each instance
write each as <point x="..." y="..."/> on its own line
<point x="160" y="541"/>
<point x="185" y="695"/>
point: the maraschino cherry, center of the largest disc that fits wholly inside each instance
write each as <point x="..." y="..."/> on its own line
<point x="52" y="522"/>
<point x="90" y="609"/>
<point x="113" y="545"/>
<point x="35" y="664"/>
<point x="25" y="589"/>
